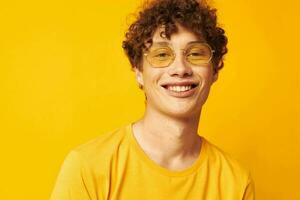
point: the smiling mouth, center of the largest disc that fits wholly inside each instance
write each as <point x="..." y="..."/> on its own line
<point x="179" y="88"/>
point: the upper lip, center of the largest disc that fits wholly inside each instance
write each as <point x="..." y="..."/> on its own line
<point x="180" y="83"/>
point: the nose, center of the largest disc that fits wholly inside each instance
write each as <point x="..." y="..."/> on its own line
<point x="180" y="68"/>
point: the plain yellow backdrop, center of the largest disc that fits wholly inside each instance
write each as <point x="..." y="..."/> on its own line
<point x="64" y="80"/>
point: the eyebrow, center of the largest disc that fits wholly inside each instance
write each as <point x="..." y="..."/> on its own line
<point x="160" y="43"/>
<point x="168" y="43"/>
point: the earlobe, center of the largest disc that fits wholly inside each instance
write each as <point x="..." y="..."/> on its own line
<point x="139" y="77"/>
<point x="215" y="76"/>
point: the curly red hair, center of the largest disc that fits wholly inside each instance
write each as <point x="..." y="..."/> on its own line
<point x="196" y="16"/>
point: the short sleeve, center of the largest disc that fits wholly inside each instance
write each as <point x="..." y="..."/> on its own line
<point x="71" y="181"/>
<point x="249" y="193"/>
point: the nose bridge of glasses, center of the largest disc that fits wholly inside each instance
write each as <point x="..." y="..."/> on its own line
<point x="180" y="57"/>
<point x="179" y="65"/>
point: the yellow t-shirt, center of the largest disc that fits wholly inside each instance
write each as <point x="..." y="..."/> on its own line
<point x="113" y="166"/>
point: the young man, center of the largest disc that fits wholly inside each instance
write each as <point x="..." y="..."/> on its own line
<point x="176" y="51"/>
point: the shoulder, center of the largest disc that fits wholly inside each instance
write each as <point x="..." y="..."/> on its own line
<point x="219" y="157"/>
<point x="87" y="166"/>
<point x="101" y="149"/>
<point x="227" y="167"/>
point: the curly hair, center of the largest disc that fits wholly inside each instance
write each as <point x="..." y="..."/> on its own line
<point x="196" y="16"/>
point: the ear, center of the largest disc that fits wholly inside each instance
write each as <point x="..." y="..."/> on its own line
<point x="139" y="76"/>
<point x="215" y="76"/>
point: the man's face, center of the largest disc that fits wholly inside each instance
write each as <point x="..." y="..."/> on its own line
<point x="181" y="88"/>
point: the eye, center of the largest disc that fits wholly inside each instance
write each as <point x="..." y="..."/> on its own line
<point x="161" y="54"/>
<point x="197" y="53"/>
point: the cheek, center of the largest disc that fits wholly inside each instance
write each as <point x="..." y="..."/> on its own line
<point x="205" y="73"/>
<point x="152" y="75"/>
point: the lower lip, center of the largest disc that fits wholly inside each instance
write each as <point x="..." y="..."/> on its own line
<point x="182" y="94"/>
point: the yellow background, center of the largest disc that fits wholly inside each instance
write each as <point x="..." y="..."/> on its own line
<point x="64" y="80"/>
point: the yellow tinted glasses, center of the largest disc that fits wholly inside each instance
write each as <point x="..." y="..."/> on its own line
<point x="196" y="53"/>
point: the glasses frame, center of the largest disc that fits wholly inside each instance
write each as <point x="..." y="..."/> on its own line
<point x="184" y="53"/>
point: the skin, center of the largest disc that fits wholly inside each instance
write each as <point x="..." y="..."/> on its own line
<point x="168" y="130"/>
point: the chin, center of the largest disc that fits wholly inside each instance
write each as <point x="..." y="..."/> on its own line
<point x="182" y="111"/>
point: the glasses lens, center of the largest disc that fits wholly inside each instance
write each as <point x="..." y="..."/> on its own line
<point x="199" y="54"/>
<point x="160" y="56"/>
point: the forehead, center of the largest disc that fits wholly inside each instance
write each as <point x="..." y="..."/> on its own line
<point x="180" y="38"/>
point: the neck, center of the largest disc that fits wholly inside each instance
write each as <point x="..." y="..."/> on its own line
<point x="168" y="139"/>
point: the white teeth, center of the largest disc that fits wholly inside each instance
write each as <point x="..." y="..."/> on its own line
<point x="180" y="88"/>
